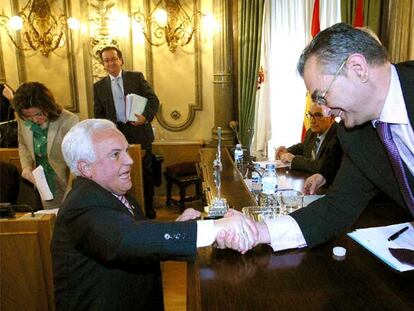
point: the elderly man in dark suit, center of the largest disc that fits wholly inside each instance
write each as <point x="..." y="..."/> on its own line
<point x="109" y="103"/>
<point x="105" y="253"/>
<point x="321" y="148"/>
<point x="348" y="72"/>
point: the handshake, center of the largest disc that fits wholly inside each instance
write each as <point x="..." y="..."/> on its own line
<point x="234" y="230"/>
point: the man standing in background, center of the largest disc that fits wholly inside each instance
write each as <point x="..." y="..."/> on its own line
<point x="109" y="103"/>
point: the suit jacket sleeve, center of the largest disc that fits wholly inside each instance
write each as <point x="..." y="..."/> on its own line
<point x="99" y="105"/>
<point x="296" y="149"/>
<point x="153" y="103"/>
<point x="303" y="154"/>
<point x="102" y="228"/>
<point x="341" y="207"/>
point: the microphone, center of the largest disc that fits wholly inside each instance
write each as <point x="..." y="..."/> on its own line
<point x="8" y="210"/>
<point x="7" y="122"/>
<point x="233" y="125"/>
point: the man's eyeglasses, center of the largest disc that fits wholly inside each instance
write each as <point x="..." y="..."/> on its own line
<point x="110" y="60"/>
<point x="317" y="116"/>
<point x="320" y="98"/>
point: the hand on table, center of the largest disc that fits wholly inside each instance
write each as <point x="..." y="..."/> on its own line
<point x="287" y="157"/>
<point x="313" y="183"/>
<point x="279" y="151"/>
<point x="188" y="214"/>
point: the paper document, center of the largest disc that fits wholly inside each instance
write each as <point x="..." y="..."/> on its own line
<point x="278" y="163"/>
<point x="135" y="104"/>
<point x="47" y="211"/>
<point x="41" y="183"/>
<point x="376" y="241"/>
<point x="283" y="183"/>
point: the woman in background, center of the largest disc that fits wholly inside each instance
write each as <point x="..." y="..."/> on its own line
<point x="42" y="124"/>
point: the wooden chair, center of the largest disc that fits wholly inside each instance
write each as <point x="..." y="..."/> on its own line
<point x="183" y="175"/>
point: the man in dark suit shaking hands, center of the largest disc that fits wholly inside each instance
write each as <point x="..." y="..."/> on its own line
<point x="348" y="72"/>
<point x="105" y="252"/>
<point x="109" y="103"/>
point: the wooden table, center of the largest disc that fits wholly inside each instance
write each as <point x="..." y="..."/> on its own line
<point x="296" y="279"/>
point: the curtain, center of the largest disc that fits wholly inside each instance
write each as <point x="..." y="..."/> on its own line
<point x="251" y="19"/>
<point x="401" y="31"/>
<point x="290" y="32"/>
<point x="372" y="13"/>
<point x="262" y="121"/>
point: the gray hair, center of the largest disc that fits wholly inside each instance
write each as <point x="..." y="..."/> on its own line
<point x="335" y="44"/>
<point x="77" y="144"/>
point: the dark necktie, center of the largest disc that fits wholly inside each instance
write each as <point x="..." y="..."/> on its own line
<point x="385" y="134"/>
<point x="315" y="148"/>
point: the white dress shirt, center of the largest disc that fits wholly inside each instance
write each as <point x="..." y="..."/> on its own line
<point x="395" y="113"/>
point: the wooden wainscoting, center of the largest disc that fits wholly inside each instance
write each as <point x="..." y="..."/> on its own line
<point x="26" y="277"/>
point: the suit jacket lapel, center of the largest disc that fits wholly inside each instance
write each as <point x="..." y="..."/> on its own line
<point x="108" y="94"/>
<point x="126" y="84"/>
<point x="28" y="138"/>
<point x="369" y="156"/>
<point x="51" y="134"/>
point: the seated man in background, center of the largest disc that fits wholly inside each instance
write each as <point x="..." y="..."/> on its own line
<point x="106" y="254"/>
<point x="320" y="145"/>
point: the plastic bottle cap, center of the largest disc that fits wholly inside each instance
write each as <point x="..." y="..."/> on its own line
<point x="339" y="251"/>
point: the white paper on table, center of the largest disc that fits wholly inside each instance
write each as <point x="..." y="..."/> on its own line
<point x="47" y="211"/>
<point x="283" y="183"/>
<point x="376" y="241"/>
<point x="278" y="163"/>
<point x="41" y="183"/>
<point x="134" y="104"/>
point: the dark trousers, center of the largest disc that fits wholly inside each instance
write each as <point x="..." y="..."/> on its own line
<point x="148" y="179"/>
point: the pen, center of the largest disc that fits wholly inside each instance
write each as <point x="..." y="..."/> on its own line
<point x="397" y="234"/>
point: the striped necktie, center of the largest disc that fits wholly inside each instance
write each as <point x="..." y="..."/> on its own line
<point x="385" y="135"/>
<point x="124" y="201"/>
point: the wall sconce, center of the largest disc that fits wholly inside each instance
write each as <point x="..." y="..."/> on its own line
<point x="168" y="23"/>
<point x="40" y="29"/>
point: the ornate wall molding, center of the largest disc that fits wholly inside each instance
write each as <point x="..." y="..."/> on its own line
<point x="193" y="107"/>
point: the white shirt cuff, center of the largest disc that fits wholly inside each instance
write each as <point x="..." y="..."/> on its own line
<point x="205" y="233"/>
<point x="285" y="233"/>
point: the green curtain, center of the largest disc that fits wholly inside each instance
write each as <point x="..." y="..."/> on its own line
<point x="250" y="36"/>
<point x="372" y="13"/>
